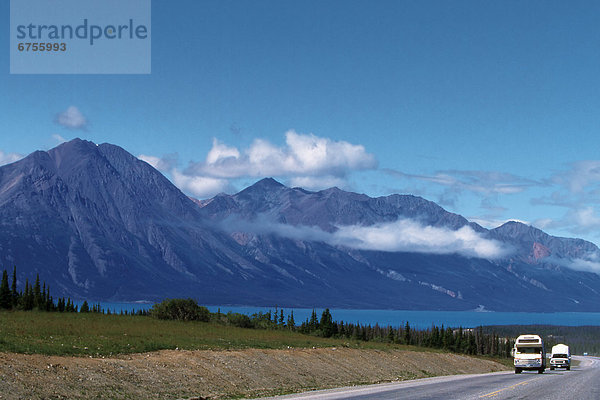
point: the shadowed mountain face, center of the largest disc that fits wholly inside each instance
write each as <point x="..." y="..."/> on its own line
<point x="97" y="223"/>
<point x="532" y="274"/>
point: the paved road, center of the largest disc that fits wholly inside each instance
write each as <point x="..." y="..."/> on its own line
<point x="581" y="382"/>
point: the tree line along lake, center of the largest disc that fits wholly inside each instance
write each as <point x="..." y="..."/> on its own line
<point x="396" y="318"/>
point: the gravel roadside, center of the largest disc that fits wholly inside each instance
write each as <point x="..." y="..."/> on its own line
<point x="172" y="374"/>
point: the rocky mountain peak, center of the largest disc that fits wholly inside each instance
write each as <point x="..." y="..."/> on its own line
<point x="265" y="185"/>
<point x="97" y="223"/>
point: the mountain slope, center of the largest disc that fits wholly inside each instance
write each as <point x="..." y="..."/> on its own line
<point x="539" y="245"/>
<point x="531" y="276"/>
<point x="327" y="208"/>
<point x="97" y="223"/>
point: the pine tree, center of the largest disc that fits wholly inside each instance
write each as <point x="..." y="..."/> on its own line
<point x="448" y="339"/>
<point x="355" y="332"/>
<point x="37" y="293"/>
<point x="472" y="344"/>
<point x="364" y="335"/>
<point x="291" y="324"/>
<point x="313" y="324"/>
<point x="49" y="300"/>
<point x="28" y="297"/>
<point x="480" y="338"/>
<point x="458" y="341"/>
<point x="507" y="347"/>
<point x="281" y="319"/>
<point x="390" y="335"/>
<point x="326" y="323"/>
<point x="341" y="329"/>
<point x="15" y="295"/>
<point x="5" y="295"/>
<point x="42" y="305"/>
<point x="85" y="307"/>
<point x="407" y="335"/>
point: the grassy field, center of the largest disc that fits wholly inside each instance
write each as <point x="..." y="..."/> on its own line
<point x="89" y="334"/>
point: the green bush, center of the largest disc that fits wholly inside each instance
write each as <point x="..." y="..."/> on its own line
<point x="181" y="310"/>
<point x="239" y="320"/>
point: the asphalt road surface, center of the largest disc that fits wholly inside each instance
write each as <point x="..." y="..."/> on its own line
<point x="582" y="382"/>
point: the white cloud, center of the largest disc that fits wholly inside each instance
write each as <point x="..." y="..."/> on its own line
<point x="317" y="182"/>
<point x="199" y="186"/>
<point x="576" y="189"/>
<point x="404" y="235"/>
<point x="578" y="220"/>
<point x="306" y="161"/>
<point x="580" y="176"/>
<point x="585" y="219"/>
<point x="482" y="182"/>
<point x="7" y="158"/>
<point x="263" y="225"/>
<point x="220" y="152"/>
<point x="164" y="164"/>
<point x="72" y="118"/>
<point x="543" y="223"/>
<point x="494" y="223"/>
<point x="410" y="236"/>
<point x="489" y="185"/>
<point x="302" y="156"/>
<point x="587" y="263"/>
<point x="59" y="139"/>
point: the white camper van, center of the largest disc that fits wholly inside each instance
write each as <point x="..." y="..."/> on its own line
<point x="561" y="357"/>
<point x="529" y="354"/>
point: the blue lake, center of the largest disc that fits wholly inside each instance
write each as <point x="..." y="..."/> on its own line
<point x="418" y="319"/>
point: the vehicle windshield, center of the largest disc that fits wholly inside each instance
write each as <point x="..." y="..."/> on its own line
<point x="560" y="356"/>
<point x="529" y="350"/>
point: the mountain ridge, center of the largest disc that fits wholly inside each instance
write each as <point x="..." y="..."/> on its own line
<point x="97" y="223"/>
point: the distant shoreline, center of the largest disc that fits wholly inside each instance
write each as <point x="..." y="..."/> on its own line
<point x="418" y="319"/>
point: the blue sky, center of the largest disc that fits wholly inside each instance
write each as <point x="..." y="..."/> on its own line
<point x="489" y="108"/>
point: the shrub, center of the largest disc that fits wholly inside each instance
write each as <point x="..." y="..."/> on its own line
<point x="181" y="310"/>
<point x="239" y="320"/>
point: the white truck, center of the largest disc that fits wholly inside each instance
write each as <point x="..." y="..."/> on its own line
<point x="529" y="354"/>
<point x="560" y="357"/>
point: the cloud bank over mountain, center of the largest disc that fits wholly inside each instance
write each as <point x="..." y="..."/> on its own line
<point x="407" y="235"/>
<point x="305" y="160"/>
<point x="302" y="155"/>
<point x="587" y="263"/>
<point x="564" y="201"/>
<point x="403" y="235"/>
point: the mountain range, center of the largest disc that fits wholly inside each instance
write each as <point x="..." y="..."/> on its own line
<point x="97" y="223"/>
